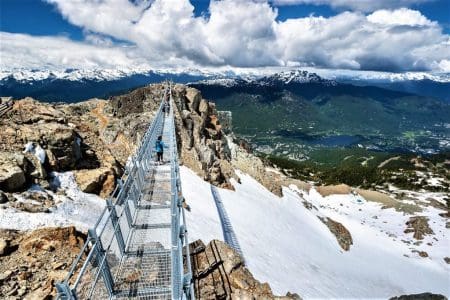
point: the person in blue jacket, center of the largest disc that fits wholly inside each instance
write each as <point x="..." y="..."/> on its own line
<point x="159" y="147"/>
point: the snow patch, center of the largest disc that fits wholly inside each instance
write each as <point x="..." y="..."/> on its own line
<point x="73" y="207"/>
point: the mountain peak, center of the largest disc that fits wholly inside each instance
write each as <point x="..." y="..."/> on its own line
<point x="295" y="76"/>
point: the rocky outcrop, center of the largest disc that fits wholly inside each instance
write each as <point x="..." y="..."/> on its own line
<point x="12" y="175"/>
<point x="343" y="236"/>
<point x="61" y="138"/>
<point x="36" y="260"/>
<point x="422" y="296"/>
<point x="220" y="273"/>
<point x="203" y="146"/>
<point x="419" y="226"/>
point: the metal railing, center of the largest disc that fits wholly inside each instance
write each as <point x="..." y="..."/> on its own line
<point x="229" y="235"/>
<point x="108" y="244"/>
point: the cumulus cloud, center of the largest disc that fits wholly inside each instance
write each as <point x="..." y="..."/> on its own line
<point x="21" y="50"/>
<point x="242" y="33"/>
<point x="402" y="16"/>
<point x="359" y="5"/>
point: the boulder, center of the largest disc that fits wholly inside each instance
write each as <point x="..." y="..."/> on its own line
<point x="99" y="181"/>
<point x="12" y="175"/>
<point x="59" y="139"/>
<point x="63" y="142"/>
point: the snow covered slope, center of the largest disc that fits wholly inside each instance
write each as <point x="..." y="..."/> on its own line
<point x="286" y="245"/>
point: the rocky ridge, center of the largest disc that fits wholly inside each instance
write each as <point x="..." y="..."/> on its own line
<point x="93" y="139"/>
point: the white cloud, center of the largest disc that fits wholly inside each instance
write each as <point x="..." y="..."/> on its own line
<point x="21" y="50"/>
<point x="238" y="34"/>
<point x="402" y="16"/>
<point x="360" y="5"/>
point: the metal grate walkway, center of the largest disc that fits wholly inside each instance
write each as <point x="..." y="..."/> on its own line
<point x="135" y="251"/>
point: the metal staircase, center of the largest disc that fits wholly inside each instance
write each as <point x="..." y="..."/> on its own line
<point x="135" y="250"/>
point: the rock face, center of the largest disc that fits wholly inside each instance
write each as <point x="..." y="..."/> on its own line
<point x="341" y="233"/>
<point x="203" y="146"/>
<point x="35" y="261"/>
<point x="219" y="273"/>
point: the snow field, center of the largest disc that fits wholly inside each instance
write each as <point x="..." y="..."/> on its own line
<point x="287" y="246"/>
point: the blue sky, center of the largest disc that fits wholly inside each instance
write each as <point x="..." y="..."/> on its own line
<point x="279" y="20"/>
<point x="37" y="17"/>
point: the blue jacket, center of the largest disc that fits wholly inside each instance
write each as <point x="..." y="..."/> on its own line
<point x="159" y="146"/>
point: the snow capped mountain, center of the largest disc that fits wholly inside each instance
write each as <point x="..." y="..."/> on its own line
<point x="25" y="75"/>
<point x="384" y="76"/>
<point x="296" y="76"/>
<point x="276" y="79"/>
<point x="70" y="74"/>
<point x="223" y="76"/>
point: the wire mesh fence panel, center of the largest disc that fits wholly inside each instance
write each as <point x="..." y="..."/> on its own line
<point x="145" y="275"/>
<point x="86" y="285"/>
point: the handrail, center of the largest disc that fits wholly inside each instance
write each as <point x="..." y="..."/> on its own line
<point x="107" y="235"/>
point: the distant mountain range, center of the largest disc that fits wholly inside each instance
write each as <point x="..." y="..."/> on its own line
<point x="78" y="85"/>
<point x="286" y="112"/>
<point x="74" y="85"/>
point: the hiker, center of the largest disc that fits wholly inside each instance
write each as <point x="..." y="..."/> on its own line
<point x="159" y="147"/>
